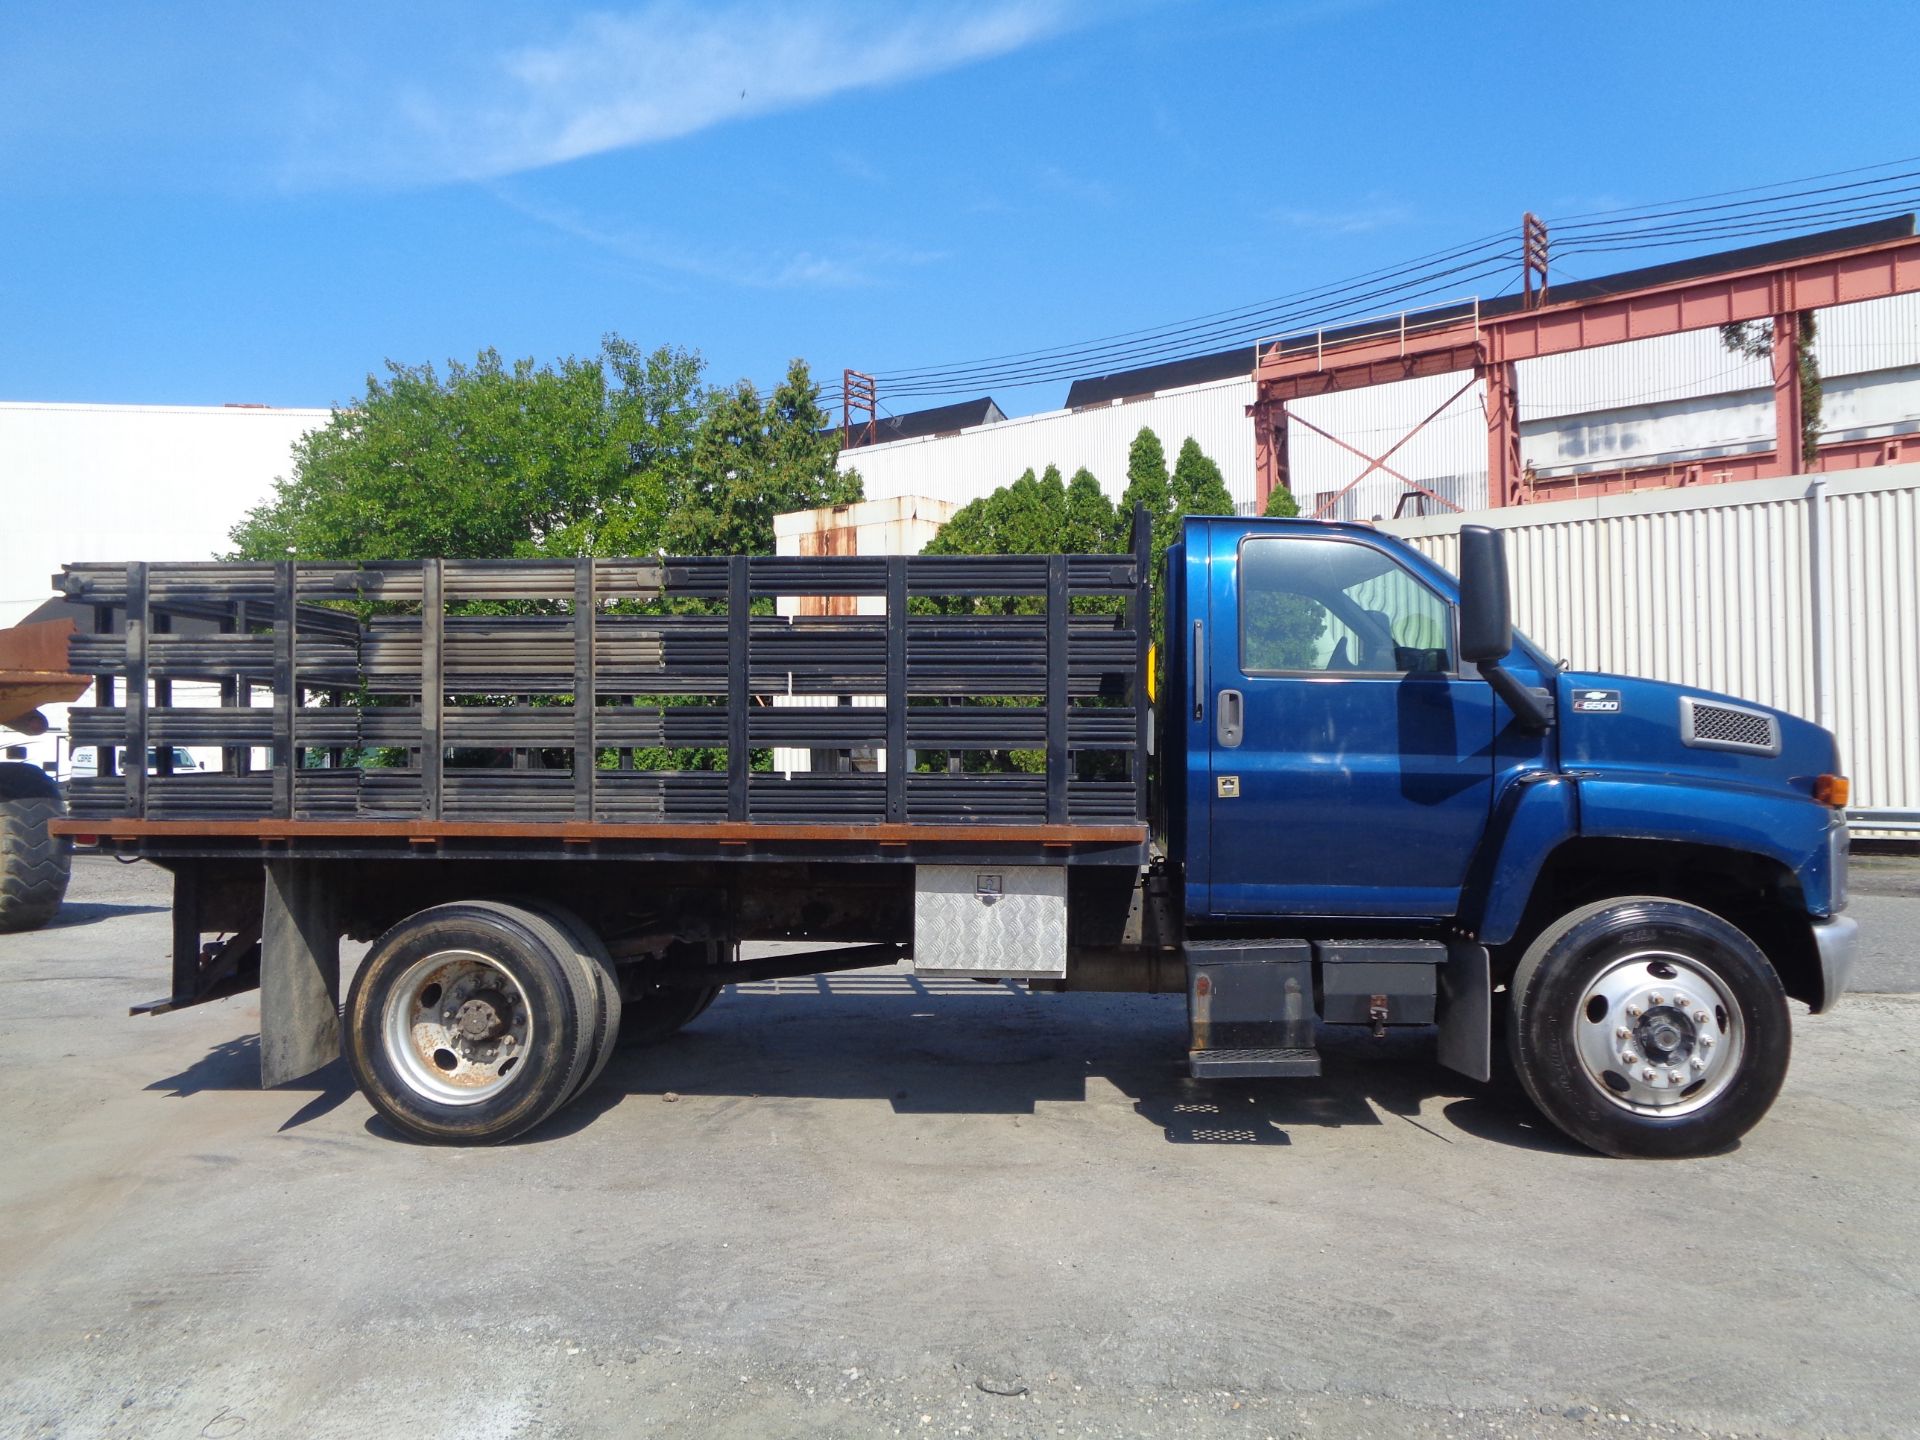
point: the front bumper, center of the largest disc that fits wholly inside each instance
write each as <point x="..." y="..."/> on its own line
<point x="1838" y="943"/>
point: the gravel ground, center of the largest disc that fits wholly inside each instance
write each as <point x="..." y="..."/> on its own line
<point x="874" y="1205"/>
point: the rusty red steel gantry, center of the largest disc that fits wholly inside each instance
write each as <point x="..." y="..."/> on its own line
<point x="1488" y="346"/>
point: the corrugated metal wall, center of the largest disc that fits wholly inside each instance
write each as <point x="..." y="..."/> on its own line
<point x="1876" y="637"/>
<point x="1712" y="587"/>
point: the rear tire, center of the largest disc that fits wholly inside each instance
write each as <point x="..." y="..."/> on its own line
<point x="35" y="865"/>
<point x="590" y="952"/>
<point x="655" y="1012"/>
<point x="1647" y="1027"/>
<point x="470" y="1022"/>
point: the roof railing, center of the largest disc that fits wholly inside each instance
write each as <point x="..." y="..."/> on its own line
<point x="1398" y="324"/>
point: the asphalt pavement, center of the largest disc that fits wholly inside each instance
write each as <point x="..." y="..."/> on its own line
<point x="871" y="1204"/>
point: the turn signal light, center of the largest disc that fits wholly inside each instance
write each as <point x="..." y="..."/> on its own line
<point x="1832" y="790"/>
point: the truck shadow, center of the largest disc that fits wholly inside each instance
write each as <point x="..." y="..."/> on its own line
<point x="235" y="1065"/>
<point x="933" y="1046"/>
<point x="958" y="1047"/>
<point x="75" y="913"/>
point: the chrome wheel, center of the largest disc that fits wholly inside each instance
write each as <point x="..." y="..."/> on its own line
<point x="456" y="1027"/>
<point x="1659" y="1033"/>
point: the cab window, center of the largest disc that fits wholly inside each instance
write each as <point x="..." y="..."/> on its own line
<point x="1331" y="606"/>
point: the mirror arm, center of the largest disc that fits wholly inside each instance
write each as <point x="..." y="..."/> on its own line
<point x="1532" y="706"/>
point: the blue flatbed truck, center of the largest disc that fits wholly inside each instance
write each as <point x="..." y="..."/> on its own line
<point x="559" y="796"/>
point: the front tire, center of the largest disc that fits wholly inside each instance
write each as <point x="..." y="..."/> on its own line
<point x="1647" y="1027"/>
<point x="470" y="1022"/>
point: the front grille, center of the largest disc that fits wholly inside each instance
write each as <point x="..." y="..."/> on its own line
<point x="1715" y="725"/>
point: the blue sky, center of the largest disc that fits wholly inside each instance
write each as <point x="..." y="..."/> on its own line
<point x="261" y="203"/>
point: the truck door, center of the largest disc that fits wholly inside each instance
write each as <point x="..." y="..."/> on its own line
<point x="1351" y="763"/>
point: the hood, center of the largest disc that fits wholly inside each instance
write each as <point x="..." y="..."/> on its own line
<point x="1616" y="722"/>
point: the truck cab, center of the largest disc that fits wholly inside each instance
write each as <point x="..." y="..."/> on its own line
<point x="1362" y="749"/>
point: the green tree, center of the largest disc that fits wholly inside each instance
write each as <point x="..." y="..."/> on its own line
<point x="1041" y="515"/>
<point x="1195" y="487"/>
<point x="1198" y="487"/>
<point x="1281" y="505"/>
<point x="1149" y="484"/>
<point x="752" y="460"/>
<point x="489" y="460"/>
<point x="1095" y="526"/>
<point x="1035" y="515"/>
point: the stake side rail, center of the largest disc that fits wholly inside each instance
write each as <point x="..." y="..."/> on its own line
<point x="619" y="701"/>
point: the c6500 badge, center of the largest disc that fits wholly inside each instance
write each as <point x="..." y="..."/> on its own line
<point x="1597" y="702"/>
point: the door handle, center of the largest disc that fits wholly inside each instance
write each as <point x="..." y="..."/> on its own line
<point x="1230" y="728"/>
<point x="1199" y="675"/>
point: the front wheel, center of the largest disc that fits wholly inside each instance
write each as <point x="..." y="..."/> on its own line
<point x="1648" y="1027"/>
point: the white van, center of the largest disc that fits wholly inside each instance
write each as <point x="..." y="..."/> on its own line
<point x="84" y="761"/>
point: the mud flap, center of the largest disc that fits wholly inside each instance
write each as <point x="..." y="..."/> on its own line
<point x="1465" y="1011"/>
<point x="299" y="973"/>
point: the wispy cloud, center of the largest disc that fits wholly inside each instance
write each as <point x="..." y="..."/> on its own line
<point x="611" y="81"/>
<point x="855" y="266"/>
<point x="1353" y="220"/>
<point x="1080" y="189"/>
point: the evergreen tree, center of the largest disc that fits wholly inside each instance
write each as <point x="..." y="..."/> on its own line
<point x="1281" y="504"/>
<point x="1198" y="487"/>
<point x="1195" y="488"/>
<point x="1094" y="525"/>
<point x="1149" y="484"/>
<point x="1035" y="516"/>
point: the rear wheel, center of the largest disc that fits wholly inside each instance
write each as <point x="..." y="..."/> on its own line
<point x="1648" y="1027"/>
<point x="653" y="1012"/>
<point x="470" y="1022"/>
<point x="590" y="952"/>
<point x="34" y="865"/>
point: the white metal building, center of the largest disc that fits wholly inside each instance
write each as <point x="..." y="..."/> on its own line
<point x="1648" y="402"/>
<point x="126" y="482"/>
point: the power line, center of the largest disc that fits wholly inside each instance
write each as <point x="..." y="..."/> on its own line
<point x="1892" y="193"/>
<point x="1200" y="324"/>
<point x="1666" y="239"/>
<point x="1892" y="184"/>
<point x="1745" y="190"/>
<point x="1662" y="225"/>
<point x="1355" y="308"/>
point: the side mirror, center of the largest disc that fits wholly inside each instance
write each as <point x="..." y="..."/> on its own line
<point x="1486" y="616"/>
<point x="1486" y="625"/>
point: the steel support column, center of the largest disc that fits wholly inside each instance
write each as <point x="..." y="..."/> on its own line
<point x="1788" y="412"/>
<point x="1272" y="469"/>
<point x="1504" y="484"/>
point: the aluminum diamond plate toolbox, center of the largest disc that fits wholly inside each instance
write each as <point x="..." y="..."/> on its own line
<point x="990" y="920"/>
